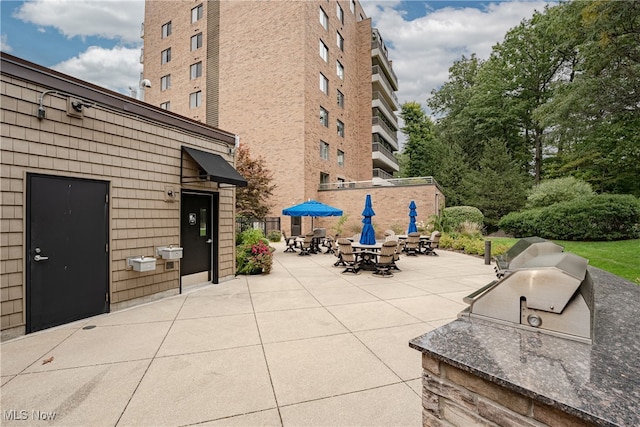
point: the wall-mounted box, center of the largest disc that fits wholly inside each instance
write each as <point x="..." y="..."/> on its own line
<point x="169" y="252"/>
<point x="142" y="263"/>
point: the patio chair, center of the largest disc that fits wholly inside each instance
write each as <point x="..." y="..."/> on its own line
<point x="348" y="257"/>
<point x="412" y="244"/>
<point x="290" y="242"/>
<point x="331" y="245"/>
<point x="432" y="243"/>
<point x="307" y="244"/>
<point x="356" y="238"/>
<point x="388" y="233"/>
<point x="385" y="259"/>
<point x="396" y="255"/>
<point x="337" y="253"/>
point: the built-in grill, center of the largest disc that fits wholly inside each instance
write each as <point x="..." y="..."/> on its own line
<point x="551" y="293"/>
<point x="523" y="251"/>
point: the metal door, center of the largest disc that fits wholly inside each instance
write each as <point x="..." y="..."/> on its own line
<point x="67" y="253"/>
<point x="198" y="234"/>
<point x="296" y="225"/>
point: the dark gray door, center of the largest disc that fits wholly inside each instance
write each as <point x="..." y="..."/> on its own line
<point x="198" y="234"/>
<point x="67" y="252"/>
<point x="296" y="226"/>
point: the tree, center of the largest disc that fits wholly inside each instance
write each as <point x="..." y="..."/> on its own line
<point x="252" y="201"/>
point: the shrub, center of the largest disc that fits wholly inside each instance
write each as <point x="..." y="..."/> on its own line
<point x="274" y="236"/>
<point x="557" y="190"/>
<point x="602" y="217"/>
<point x="253" y="253"/>
<point x="453" y="216"/>
<point x="471" y="229"/>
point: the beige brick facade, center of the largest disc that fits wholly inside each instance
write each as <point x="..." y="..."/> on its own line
<point x="263" y="69"/>
<point x="139" y="156"/>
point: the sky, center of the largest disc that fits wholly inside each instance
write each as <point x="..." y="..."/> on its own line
<point x="99" y="41"/>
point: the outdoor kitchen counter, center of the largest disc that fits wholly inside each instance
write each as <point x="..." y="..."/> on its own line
<point x="598" y="383"/>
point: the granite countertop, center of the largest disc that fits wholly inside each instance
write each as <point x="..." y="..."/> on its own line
<point x="599" y="383"/>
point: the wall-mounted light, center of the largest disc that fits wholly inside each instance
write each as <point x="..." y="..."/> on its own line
<point x="77" y="105"/>
<point x="74" y="106"/>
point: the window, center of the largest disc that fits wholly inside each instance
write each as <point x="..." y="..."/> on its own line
<point x="340" y="97"/>
<point x="340" y="158"/>
<point x="324" y="117"/>
<point x="340" y="128"/>
<point x="166" y="106"/>
<point x="165" y="82"/>
<point x="195" y="99"/>
<point x="196" y="13"/>
<point x="352" y="6"/>
<point x="340" y="13"/>
<point x="324" y="150"/>
<point x="324" y="19"/>
<point x="340" y="183"/>
<point x="324" y="51"/>
<point x="196" y="70"/>
<point x="196" y="41"/>
<point x="340" y="70"/>
<point x="340" y="41"/>
<point x="324" y="178"/>
<point x="166" y="30"/>
<point x="166" y="55"/>
<point x="324" y="84"/>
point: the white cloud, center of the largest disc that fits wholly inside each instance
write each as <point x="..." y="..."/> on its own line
<point x="116" y="20"/>
<point x="422" y="50"/>
<point x="4" y="43"/>
<point x="114" y="69"/>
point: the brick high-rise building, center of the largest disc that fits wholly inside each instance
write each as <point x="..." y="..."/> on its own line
<point x="306" y="85"/>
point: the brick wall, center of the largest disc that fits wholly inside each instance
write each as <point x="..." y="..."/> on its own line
<point x="452" y="397"/>
<point x="138" y="157"/>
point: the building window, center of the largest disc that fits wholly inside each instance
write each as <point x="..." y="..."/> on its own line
<point x="324" y="117"/>
<point x="324" y="178"/>
<point x="339" y="70"/>
<point x="340" y="97"/>
<point x="324" y="51"/>
<point x="196" y="41"/>
<point x="165" y="82"/>
<point x="196" y="13"/>
<point x="196" y="70"/>
<point x="166" y="106"/>
<point x="340" y="128"/>
<point x="340" y="158"/>
<point x="195" y="99"/>
<point x="166" y="55"/>
<point x="340" y="183"/>
<point x="324" y="84"/>
<point x="352" y="6"/>
<point x="166" y="30"/>
<point x="340" y="13"/>
<point x="340" y="41"/>
<point x="324" y="19"/>
<point x="324" y="150"/>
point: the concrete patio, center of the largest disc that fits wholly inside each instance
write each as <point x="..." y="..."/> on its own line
<point x="304" y="345"/>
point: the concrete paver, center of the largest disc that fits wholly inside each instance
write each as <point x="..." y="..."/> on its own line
<point x="304" y="345"/>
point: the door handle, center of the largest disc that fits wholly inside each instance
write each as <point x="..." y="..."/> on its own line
<point x="40" y="258"/>
<point x="209" y="241"/>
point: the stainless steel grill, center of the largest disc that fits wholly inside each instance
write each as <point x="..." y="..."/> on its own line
<point x="550" y="293"/>
<point x="523" y="251"/>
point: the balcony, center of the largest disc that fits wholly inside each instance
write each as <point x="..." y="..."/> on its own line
<point x="377" y="76"/>
<point x="378" y="101"/>
<point x="383" y="158"/>
<point x="379" y="50"/>
<point x="381" y="178"/>
<point x="379" y="126"/>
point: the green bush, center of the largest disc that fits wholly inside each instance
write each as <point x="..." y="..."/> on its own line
<point x="453" y="216"/>
<point x="593" y="218"/>
<point x="253" y="253"/>
<point x="557" y="190"/>
<point x="274" y="236"/>
<point x="472" y="245"/>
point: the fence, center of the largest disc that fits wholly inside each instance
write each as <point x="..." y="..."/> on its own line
<point x="266" y="225"/>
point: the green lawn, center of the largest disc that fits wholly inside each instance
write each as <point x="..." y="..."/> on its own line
<point x="621" y="258"/>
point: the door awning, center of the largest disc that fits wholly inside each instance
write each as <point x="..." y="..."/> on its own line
<point x="213" y="168"/>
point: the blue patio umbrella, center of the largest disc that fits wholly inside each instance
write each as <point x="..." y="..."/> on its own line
<point x="368" y="234"/>
<point x="412" y="218"/>
<point x="312" y="208"/>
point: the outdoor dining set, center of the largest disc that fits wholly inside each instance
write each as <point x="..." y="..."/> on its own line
<point x="361" y="251"/>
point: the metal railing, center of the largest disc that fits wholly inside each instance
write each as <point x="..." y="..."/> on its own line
<point x="266" y="225"/>
<point x="378" y="43"/>
<point x="398" y="182"/>
<point x="375" y="120"/>
<point x="376" y="146"/>
<point x="377" y="95"/>
<point x="376" y="70"/>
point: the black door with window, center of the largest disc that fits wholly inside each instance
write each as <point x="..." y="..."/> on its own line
<point x="296" y="226"/>
<point x="67" y="253"/>
<point x="198" y="234"/>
